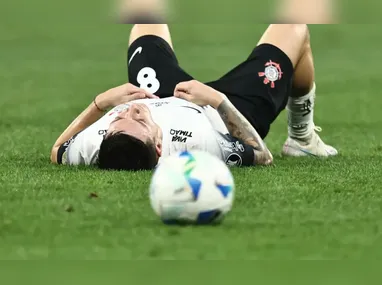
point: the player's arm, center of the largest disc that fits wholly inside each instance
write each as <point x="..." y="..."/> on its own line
<point x="96" y="110"/>
<point x="90" y="115"/>
<point x="237" y="125"/>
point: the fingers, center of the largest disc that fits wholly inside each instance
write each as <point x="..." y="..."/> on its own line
<point x="147" y="93"/>
<point x="141" y="94"/>
<point x="134" y="89"/>
<point x="151" y="96"/>
<point x="183" y="87"/>
<point x="137" y="95"/>
<point x="182" y="95"/>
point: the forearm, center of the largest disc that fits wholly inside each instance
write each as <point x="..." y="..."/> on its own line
<point x="90" y="115"/>
<point x="237" y="125"/>
<point x="240" y="127"/>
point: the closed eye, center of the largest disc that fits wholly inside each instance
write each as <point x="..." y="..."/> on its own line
<point x="140" y="121"/>
<point x="116" y="119"/>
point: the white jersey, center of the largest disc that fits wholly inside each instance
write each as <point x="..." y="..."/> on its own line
<point x="185" y="126"/>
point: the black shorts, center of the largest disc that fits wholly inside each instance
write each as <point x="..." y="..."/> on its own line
<point x="259" y="87"/>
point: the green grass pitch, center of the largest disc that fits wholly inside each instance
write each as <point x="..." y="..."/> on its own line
<point x="297" y="209"/>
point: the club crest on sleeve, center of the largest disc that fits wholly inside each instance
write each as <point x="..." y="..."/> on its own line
<point x="234" y="160"/>
<point x="271" y="73"/>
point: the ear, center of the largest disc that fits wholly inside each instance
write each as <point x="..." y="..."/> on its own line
<point x="158" y="149"/>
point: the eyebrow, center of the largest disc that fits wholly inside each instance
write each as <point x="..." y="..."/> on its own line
<point x="116" y="119"/>
<point x="119" y="132"/>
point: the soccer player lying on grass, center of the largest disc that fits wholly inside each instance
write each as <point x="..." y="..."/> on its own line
<point x="229" y="117"/>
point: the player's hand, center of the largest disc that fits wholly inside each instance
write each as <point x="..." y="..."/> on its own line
<point x="198" y="93"/>
<point x="122" y="94"/>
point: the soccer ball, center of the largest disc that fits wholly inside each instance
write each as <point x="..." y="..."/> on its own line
<point x="192" y="187"/>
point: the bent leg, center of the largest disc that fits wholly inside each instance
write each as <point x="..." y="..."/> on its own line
<point x="290" y="38"/>
<point x="294" y="41"/>
<point x="152" y="63"/>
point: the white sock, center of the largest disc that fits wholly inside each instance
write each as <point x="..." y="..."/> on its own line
<point x="300" y="116"/>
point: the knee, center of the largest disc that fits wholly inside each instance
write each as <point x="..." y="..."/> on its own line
<point x="301" y="34"/>
<point x="301" y="31"/>
<point x="298" y="33"/>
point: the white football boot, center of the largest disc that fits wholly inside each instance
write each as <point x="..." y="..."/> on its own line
<point x="316" y="147"/>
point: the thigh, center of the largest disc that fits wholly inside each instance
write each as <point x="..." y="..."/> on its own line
<point x="152" y="65"/>
<point x="259" y="87"/>
<point x="290" y="38"/>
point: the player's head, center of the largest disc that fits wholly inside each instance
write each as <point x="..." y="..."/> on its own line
<point x="133" y="141"/>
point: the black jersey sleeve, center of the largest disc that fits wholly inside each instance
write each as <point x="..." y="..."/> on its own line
<point x="62" y="155"/>
<point x="235" y="152"/>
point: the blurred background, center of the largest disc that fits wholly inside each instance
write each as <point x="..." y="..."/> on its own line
<point x="228" y="11"/>
<point x="195" y="11"/>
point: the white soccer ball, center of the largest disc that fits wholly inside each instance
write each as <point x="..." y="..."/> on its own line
<point x="192" y="187"/>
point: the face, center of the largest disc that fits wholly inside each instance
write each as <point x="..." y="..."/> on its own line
<point x="137" y="122"/>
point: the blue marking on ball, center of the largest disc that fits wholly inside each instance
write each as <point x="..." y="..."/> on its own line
<point x="195" y="184"/>
<point x="208" y="217"/>
<point x="224" y="189"/>
<point x="185" y="153"/>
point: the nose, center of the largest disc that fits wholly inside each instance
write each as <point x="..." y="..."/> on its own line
<point x="133" y="112"/>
